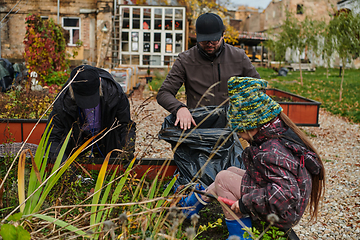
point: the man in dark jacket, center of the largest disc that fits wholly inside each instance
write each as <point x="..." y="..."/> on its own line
<point x="91" y="103"/>
<point x="204" y="70"/>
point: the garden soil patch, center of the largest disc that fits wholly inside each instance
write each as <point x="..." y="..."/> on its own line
<point x="210" y="214"/>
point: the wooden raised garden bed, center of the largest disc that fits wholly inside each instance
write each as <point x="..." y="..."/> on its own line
<point x="302" y="111"/>
<point x="15" y="131"/>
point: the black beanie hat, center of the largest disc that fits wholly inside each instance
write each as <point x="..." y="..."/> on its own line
<point x="209" y="27"/>
<point x="86" y="86"/>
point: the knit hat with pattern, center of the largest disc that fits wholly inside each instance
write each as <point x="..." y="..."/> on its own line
<point x="249" y="106"/>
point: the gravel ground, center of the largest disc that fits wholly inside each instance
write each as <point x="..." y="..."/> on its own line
<point x="338" y="142"/>
<point x="149" y="116"/>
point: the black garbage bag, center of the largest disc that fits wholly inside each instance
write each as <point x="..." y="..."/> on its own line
<point x="20" y="73"/>
<point x="283" y="72"/>
<point x="6" y="74"/>
<point x="211" y="139"/>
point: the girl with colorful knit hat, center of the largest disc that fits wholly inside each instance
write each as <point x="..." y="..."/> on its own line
<point x="283" y="171"/>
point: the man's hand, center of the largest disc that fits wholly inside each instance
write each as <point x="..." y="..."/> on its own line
<point x="235" y="207"/>
<point x="183" y="116"/>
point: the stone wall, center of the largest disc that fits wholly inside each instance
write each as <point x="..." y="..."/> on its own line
<point x="274" y="15"/>
<point x="244" y="12"/>
<point x="316" y="9"/>
<point x="255" y="23"/>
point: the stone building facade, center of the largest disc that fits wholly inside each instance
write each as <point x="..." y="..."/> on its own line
<point x="275" y="13"/>
<point x="126" y="34"/>
<point x="255" y="23"/>
<point x="84" y="19"/>
<point x="244" y="12"/>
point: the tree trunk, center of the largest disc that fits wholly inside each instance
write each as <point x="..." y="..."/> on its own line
<point x="342" y="78"/>
<point x="301" y="78"/>
<point x="262" y="56"/>
<point x="327" y="71"/>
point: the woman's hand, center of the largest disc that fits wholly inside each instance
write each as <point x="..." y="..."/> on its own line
<point x="235" y="207"/>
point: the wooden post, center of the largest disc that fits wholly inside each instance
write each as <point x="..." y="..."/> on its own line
<point x="99" y="51"/>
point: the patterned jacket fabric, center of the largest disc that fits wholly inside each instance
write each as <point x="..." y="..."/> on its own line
<point x="278" y="175"/>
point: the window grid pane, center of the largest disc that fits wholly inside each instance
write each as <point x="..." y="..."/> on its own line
<point x="168" y="13"/>
<point x="147" y="13"/>
<point x="126" y="18"/>
<point x="72" y="26"/>
<point x="158" y="18"/>
<point x="168" y="24"/>
<point x="71" y="22"/>
<point x="144" y="46"/>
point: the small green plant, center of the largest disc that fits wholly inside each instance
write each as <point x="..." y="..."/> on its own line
<point x="57" y="78"/>
<point x="98" y="214"/>
<point x="75" y="50"/>
<point x="203" y="228"/>
<point x="157" y="80"/>
<point x="39" y="183"/>
<point x="273" y="233"/>
<point x="12" y="230"/>
<point x="312" y="135"/>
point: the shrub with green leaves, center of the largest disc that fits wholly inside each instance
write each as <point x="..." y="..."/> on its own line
<point x="45" y="46"/>
<point x="158" y="80"/>
<point x="57" y="78"/>
<point x="22" y="104"/>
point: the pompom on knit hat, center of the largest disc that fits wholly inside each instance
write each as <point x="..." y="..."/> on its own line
<point x="249" y="106"/>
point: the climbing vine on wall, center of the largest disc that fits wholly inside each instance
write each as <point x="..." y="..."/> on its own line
<point x="45" y="46"/>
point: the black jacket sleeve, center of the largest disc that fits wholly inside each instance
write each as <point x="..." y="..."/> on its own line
<point x="127" y="126"/>
<point x="58" y="133"/>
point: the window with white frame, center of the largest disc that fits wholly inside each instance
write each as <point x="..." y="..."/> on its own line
<point x="151" y="35"/>
<point x="72" y="25"/>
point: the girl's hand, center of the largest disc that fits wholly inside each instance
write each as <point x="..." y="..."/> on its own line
<point x="235" y="207"/>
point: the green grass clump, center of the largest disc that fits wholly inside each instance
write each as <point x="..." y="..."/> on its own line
<point x="321" y="87"/>
<point x="157" y="81"/>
